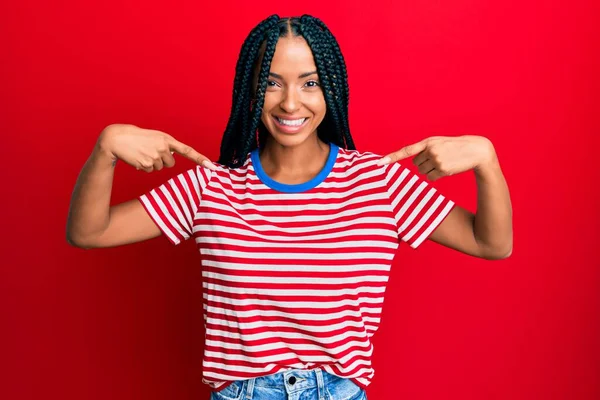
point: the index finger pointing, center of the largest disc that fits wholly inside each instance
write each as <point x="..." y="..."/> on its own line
<point x="405" y="152"/>
<point x="189" y="153"/>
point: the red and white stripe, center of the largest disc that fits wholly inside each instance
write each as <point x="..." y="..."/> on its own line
<point x="295" y="280"/>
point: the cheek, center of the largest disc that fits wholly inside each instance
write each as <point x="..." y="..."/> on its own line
<point x="268" y="107"/>
<point x="270" y="103"/>
<point x="317" y="105"/>
<point x="266" y="120"/>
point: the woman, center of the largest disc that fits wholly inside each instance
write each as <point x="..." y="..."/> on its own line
<point x="296" y="228"/>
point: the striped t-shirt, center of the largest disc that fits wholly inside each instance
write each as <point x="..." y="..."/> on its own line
<point x="294" y="276"/>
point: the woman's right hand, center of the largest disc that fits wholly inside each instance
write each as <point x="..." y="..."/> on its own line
<point x="146" y="149"/>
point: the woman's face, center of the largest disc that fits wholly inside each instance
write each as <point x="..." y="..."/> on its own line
<point x="293" y="93"/>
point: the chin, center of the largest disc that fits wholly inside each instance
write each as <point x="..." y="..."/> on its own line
<point x="289" y="140"/>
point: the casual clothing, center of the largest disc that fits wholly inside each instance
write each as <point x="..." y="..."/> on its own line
<point x="294" y="276"/>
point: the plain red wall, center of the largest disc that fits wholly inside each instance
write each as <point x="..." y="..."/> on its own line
<point x="126" y="323"/>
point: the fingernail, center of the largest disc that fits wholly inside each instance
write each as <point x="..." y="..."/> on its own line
<point x="209" y="165"/>
<point x="384" y="160"/>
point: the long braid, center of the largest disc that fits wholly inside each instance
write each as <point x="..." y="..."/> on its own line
<point x="342" y="82"/>
<point x="324" y="61"/>
<point x="265" y="67"/>
<point x="245" y="129"/>
<point x="241" y="93"/>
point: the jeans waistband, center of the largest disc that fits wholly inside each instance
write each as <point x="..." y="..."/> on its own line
<point x="294" y="380"/>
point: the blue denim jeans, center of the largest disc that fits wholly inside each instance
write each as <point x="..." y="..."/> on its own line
<point x="294" y="384"/>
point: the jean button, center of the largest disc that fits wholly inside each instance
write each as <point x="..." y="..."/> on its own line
<point x="292" y="380"/>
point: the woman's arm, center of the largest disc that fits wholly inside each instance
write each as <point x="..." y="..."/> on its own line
<point x="488" y="233"/>
<point x="91" y="221"/>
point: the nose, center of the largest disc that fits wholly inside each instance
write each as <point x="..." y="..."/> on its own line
<point x="291" y="101"/>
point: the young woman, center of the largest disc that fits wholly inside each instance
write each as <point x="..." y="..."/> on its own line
<point x="296" y="229"/>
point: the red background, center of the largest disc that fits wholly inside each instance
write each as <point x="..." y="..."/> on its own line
<point x="126" y="323"/>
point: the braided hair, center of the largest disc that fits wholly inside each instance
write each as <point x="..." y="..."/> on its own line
<point x="245" y="130"/>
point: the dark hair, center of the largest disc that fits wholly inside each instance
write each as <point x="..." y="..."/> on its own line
<point x="245" y="130"/>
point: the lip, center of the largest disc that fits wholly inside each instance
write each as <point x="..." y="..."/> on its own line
<point x="290" y="129"/>
<point x="290" y="118"/>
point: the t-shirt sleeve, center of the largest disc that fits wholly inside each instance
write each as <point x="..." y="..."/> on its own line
<point x="418" y="207"/>
<point x="173" y="205"/>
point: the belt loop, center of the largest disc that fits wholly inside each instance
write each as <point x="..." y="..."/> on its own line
<point x="320" y="384"/>
<point x="250" y="388"/>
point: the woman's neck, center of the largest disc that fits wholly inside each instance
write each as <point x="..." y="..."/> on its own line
<point x="296" y="164"/>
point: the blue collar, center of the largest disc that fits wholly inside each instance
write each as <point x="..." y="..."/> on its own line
<point x="297" y="188"/>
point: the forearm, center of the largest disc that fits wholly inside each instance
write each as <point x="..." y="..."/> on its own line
<point x="493" y="220"/>
<point x="89" y="211"/>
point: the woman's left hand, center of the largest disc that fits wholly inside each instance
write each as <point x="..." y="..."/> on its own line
<point x="439" y="156"/>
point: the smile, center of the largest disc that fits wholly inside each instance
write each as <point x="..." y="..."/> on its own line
<point x="290" y="126"/>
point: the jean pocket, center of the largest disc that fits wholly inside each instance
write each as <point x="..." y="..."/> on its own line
<point x="344" y="389"/>
<point x="234" y="391"/>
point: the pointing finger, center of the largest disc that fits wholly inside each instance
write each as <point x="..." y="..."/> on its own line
<point x="405" y="152"/>
<point x="189" y="153"/>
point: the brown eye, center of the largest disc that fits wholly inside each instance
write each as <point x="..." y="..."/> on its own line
<point x="315" y="83"/>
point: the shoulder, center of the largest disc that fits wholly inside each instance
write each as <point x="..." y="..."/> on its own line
<point x="357" y="157"/>
<point x="363" y="161"/>
<point x="364" y="164"/>
<point x="226" y="173"/>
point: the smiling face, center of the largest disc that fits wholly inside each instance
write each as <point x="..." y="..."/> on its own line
<point x="293" y="93"/>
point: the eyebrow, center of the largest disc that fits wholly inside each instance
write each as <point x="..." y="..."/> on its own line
<point x="304" y="75"/>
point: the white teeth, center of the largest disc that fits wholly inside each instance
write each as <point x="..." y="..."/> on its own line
<point x="296" y="122"/>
